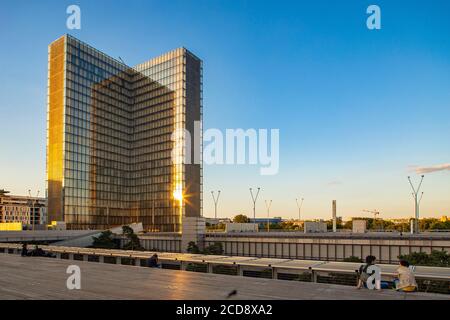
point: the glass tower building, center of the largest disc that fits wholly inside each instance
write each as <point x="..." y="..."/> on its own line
<point x="118" y="138"/>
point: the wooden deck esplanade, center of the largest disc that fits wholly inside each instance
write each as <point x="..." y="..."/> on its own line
<point x="113" y="280"/>
<point x="45" y="278"/>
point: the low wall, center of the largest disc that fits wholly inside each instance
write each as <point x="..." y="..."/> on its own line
<point x="330" y="247"/>
<point x="167" y="242"/>
<point x="327" y="248"/>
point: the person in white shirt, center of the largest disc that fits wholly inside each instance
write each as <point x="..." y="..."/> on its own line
<point x="406" y="281"/>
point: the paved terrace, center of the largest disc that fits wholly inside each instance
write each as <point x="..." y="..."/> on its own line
<point x="182" y="260"/>
<point x="44" y="278"/>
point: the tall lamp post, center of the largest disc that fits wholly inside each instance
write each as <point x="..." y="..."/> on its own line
<point x="32" y="215"/>
<point x="299" y="206"/>
<point x="254" y="198"/>
<point x="417" y="201"/>
<point x="216" y="201"/>
<point x="268" y="205"/>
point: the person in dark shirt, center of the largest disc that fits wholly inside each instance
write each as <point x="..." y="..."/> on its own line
<point x="24" y="252"/>
<point x="38" y="252"/>
<point x="153" y="261"/>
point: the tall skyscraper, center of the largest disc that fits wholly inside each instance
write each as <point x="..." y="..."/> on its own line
<point x="112" y="153"/>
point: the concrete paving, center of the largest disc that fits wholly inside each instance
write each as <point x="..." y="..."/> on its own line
<point x="45" y="278"/>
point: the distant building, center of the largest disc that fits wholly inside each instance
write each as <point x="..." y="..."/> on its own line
<point x="112" y="155"/>
<point x="27" y="210"/>
<point x="263" y="221"/>
<point x="315" y="227"/>
<point x="359" y="226"/>
<point x="216" y="221"/>
<point x="241" y="227"/>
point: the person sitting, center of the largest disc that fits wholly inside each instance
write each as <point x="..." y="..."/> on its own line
<point x="406" y="281"/>
<point x="24" y="252"/>
<point x="153" y="261"/>
<point x="363" y="275"/>
<point x="38" y="252"/>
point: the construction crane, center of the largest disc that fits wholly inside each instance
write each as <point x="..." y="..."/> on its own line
<point x="375" y="214"/>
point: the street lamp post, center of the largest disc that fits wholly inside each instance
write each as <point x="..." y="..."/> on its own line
<point x="216" y="201"/>
<point x="268" y="205"/>
<point x="417" y="201"/>
<point x="254" y="198"/>
<point x="299" y="206"/>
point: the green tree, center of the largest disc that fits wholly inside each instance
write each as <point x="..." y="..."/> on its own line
<point x="105" y="241"/>
<point x="339" y="224"/>
<point x="387" y="225"/>
<point x="425" y="224"/>
<point x="272" y="226"/>
<point x="214" y="249"/>
<point x="193" y="248"/>
<point x="400" y="227"/>
<point x="440" y="225"/>
<point x="133" y="242"/>
<point x="436" y="258"/>
<point x="353" y="259"/>
<point x="240" y="218"/>
<point x="348" y="224"/>
<point x="289" y="225"/>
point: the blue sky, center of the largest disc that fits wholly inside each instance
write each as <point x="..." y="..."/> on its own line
<point x="355" y="107"/>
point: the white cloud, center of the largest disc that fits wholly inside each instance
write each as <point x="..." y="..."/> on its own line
<point x="438" y="167"/>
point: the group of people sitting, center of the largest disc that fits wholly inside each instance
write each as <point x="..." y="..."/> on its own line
<point x="404" y="282"/>
<point x="36" y="252"/>
<point x="152" y="262"/>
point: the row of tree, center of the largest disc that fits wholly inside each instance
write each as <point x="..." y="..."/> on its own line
<point x="106" y="240"/>
<point x="435" y="259"/>
<point x="386" y="225"/>
<point x="214" y="249"/>
<point x="372" y="224"/>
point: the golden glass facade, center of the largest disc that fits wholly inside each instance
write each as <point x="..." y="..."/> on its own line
<point x="111" y="157"/>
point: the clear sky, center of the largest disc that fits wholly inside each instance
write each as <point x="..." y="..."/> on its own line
<point x="356" y="108"/>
